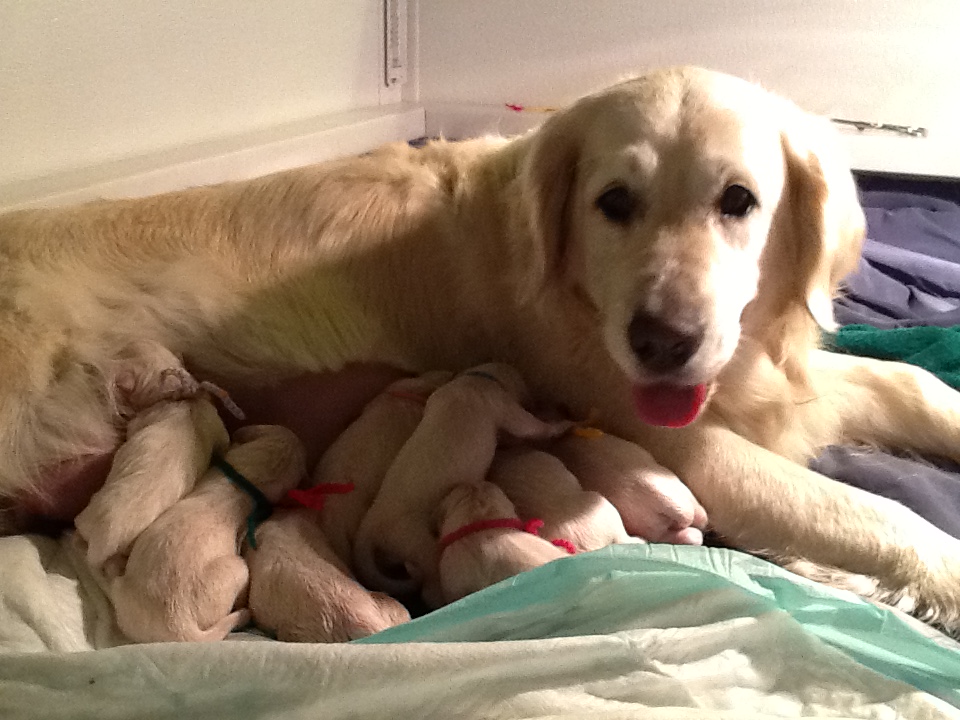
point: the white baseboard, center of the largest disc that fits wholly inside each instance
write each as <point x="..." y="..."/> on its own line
<point x="358" y="131"/>
<point x="250" y="155"/>
<point x="932" y="156"/>
<point x="457" y="121"/>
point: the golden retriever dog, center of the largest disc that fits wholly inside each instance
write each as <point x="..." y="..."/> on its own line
<point x="662" y="252"/>
<point x="463" y="423"/>
<point x="302" y="592"/>
<point x="474" y="555"/>
<point x="541" y="487"/>
<point x="364" y="452"/>
<point x="185" y="576"/>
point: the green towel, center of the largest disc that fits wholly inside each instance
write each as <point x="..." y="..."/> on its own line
<point x="936" y="349"/>
<point x="634" y="586"/>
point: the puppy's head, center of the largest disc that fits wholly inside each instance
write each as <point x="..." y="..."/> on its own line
<point x="269" y="456"/>
<point x="465" y="504"/>
<point x="656" y="203"/>
<point x="505" y="377"/>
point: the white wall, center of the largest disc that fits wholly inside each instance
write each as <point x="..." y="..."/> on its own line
<point x="86" y="82"/>
<point x="887" y="60"/>
<point x="96" y="91"/>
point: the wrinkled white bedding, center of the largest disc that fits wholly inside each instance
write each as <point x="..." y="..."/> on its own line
<point x="701" y="657"/>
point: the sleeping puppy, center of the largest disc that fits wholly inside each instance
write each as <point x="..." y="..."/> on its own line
<point x="455" y="442"/>
<point x="185" y="576"/>
<point x="652" y="502"/>
<point x="540" y="486"/>
<point x="168" y="447"/>
<point x="363" y="453"/>
<point x="302" y="592"/>
<point x="472" y="560"/>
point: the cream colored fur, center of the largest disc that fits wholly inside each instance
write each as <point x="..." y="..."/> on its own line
<point x="485" y="557"/>
<point x="540" y="486"/>
<point x="459" y="253"/>
<point x="302" y="592"/>
<point x="185" y="576"/>
<point x="146" y="373"/>
<point x="454" y="443"/>
<point x="168" y="447"/>
<point x="363" y="453"/>
<point x="653" y="503"/>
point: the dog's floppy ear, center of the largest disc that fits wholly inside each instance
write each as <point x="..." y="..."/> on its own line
<point x="548" y="174"/>
<point x="827" y="222"/>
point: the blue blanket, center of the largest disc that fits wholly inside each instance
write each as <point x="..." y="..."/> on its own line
<point x="909" y="276"/>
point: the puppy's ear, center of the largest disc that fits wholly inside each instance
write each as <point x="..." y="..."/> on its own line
<point x="548" y="175"/>
<point x="827" y="222"/>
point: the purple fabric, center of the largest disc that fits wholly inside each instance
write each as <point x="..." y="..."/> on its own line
<point x="910" y="270"/>
<point x="909" y="275"/>
<point x="930" y="489"/>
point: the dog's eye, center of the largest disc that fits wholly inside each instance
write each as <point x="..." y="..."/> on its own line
<point x="617" y="204"/>
<point x="737" y="201"/>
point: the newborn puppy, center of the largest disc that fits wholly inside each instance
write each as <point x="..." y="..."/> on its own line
<point x="301" y="591"/>
<point x="454" y="443"/>
<point x="540" y="486"/>
<point x="653" y="503"/>
<point x="168" y="446"/>
<point x="363" y="453"/>
<point x="185" y="574"/>
<point x="483" y="556"/>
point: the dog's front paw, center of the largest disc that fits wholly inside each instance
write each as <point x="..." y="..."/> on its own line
<point x="934" y="597"/>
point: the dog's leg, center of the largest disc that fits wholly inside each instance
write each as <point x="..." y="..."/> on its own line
<point x="890" y="404"/>
<point x="761" y="501"/>
<point x="221" y="583"/>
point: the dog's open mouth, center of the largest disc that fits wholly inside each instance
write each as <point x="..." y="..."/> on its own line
<point x="669" y="405"/>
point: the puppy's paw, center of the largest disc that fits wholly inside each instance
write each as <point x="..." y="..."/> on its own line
<point x="177" y="384"/>
<point x="137" y="391"/>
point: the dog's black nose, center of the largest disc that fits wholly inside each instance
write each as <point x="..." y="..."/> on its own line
<point x="659" y="346"/>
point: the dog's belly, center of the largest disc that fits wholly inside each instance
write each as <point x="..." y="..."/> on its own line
<point x="316" y="406"/>
<point x="66" y="488"/>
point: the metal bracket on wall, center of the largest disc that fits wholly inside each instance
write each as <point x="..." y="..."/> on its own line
<point x="861" y="125"/>
<point x="395" y="42"/>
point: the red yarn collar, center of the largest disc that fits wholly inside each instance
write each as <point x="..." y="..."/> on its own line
<point x="530" y="526"/>
<point x="314" y="497"/>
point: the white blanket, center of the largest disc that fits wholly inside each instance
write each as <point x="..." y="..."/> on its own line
<point x="704" y="656"/>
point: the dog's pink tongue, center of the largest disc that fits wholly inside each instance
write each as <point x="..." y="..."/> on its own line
<point x="669" y="405"/>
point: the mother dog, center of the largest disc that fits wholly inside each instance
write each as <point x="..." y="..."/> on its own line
<point x="660" y="254"/>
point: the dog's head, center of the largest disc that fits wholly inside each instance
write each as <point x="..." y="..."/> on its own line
<point x="685" y="209"/>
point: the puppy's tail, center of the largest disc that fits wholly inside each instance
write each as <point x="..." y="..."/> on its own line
<point x="382" y="565"/>
<point x="220" y="629"/>
<point x="380" y="613"/>
<point x="523" y="425"/>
